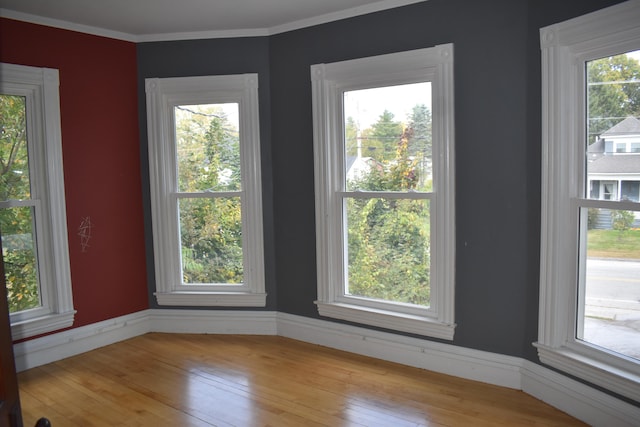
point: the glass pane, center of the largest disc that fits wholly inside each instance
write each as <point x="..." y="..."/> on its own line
<point x="207" y="147"/>
<point x="211" y="240"/>
<point x="388" y="138"/>
<point x="388" y="250"/>
<point x="611" y="292"/>
<point x="19" y="254"/>
<point x="613" y="128"/>
<point x="14" y="167"/>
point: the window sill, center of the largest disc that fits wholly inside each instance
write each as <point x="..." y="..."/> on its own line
<point x="387" y="319"/>
<point x="212" y="299"/>
<point x="594" y="371"/>
<point x="41" y="325"/>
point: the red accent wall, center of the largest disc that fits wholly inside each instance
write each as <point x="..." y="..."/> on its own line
<point x="99" y="114"/>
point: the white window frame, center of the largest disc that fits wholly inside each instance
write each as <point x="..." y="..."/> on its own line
<point x="163" y="94"/>
<point x="40" y="87"/>
<point x="566" y="47"/>
<point x="329" y="82"/>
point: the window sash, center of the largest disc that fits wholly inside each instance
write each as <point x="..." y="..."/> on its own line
<point x="329" y="83"/>
<point x="40" y="87"/>
<point x="566" y="47"/>
<point x="163" y="95"/>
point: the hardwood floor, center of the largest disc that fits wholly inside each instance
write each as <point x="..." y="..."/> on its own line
<point x="238" y="380"/>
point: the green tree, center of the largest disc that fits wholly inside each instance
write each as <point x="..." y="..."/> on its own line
<point x="21" y="274"/>
<point x="420" y="124"/>
<point x="389" y="239"/>
<point x="379" y="141"/>
<point x="420" y="143"/>
<point x="622" y="220"/>
<point x="613" y="92"/>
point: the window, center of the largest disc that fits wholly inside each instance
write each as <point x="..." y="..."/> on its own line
<point x="383" y="140"/>
<point x="32" y="205"/>
<point x="590" y="273"/>
<point x="204" y="153"/>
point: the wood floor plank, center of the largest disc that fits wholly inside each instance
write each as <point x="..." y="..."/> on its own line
<point x="240" y="380"/>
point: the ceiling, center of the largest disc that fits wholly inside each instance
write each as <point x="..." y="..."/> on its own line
<point x="153" y="20"/>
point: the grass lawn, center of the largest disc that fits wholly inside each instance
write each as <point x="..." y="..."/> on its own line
<point x="614" y="244"/>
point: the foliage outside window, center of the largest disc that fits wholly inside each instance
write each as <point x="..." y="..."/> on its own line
<point x="32" y="211"/>
<point x="204" y="155"/>
<point x="16" y="223"/>
<point x="208" y="160"/>
<point x="590" y="257"/>
<point x="383" y="139"/>
<point x="388" y="239"/>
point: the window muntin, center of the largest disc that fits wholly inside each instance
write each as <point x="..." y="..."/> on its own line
<point x="575" y="189"/>
<point x="384" y="190"/>
<point x="206" y="195"/>
<point x="32" y="208"/>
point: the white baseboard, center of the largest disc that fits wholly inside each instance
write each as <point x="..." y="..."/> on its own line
<point x="213" y="322"/>
<point x="47" y="349"/>
<point x="444" y="358"/>
<point x="579" y="400"/>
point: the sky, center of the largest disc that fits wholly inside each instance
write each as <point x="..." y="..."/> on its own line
<point x="366" y="105"/>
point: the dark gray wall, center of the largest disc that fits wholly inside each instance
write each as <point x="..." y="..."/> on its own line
<point x="498" y="152"/>
<point x="498" y="146"/>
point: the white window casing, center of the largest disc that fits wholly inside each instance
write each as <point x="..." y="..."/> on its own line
<point x="163" y="94"/>
<point x="329" y="82"/>
<point x="566" y="47"/>
<point x="40" y="87"/>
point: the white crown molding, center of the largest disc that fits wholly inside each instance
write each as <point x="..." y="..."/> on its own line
<point x="198" y="35"/>
<point x="344" y="14"/>
<point x="66" y="25"/>
<point x="577" y="399"/>
<point x="213" y="34"/>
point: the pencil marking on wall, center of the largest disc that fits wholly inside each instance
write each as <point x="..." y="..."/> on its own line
<point x="84" y="231"/>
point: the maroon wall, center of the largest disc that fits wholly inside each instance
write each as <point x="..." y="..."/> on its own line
<point x="99" y="114"/>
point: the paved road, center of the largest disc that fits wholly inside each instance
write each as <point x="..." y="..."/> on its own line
<point x="612" y="279"/>
<point x="613" y="305"/>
